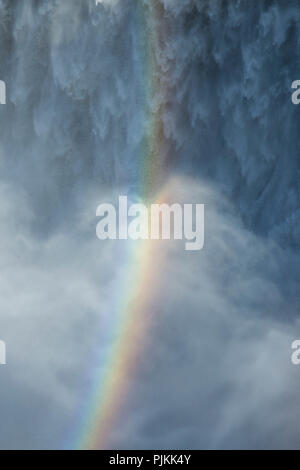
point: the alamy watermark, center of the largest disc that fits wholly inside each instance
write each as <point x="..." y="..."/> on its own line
<point x="295" y="358"/>
<point x="2" y="92"/>
<point x="296" y="94"/>
<point x="138" y="222"/>
<point x="2" y="353"/>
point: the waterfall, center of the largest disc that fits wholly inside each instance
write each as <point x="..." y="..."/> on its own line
<point x="126" y="97"/>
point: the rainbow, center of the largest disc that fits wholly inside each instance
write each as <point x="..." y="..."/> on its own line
<point x="112" y="387"/>
<point x="133" y="324"/>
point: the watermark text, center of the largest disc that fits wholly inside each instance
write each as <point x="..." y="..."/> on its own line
<point x="2" y="92"/>
<point x="2" y="353"/>
<point x="158" y="222"/>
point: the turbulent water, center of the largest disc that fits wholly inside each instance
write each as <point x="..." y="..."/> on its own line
<point x="78" y="108"/>
<point x="76" y="86"/>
